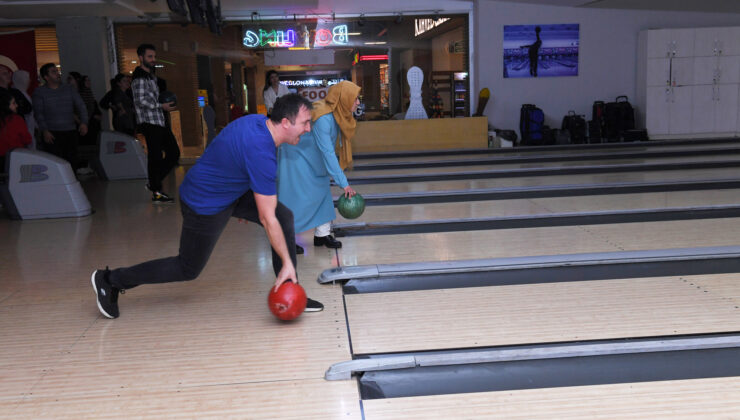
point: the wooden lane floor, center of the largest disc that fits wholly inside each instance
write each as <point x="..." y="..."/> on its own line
<point x="542" y="313"/>
<point x="681" y="399"/>
<point x="579" y="179"/>
<point x="565" y="164"/>
<point x="544" y="151"/>
<point x="208" y="348"/>
<point x="447" y="161"/>
<point x="539" y="241"/>
<point x="543" y="206"/>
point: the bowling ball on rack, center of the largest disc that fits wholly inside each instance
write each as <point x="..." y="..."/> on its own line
<point x="288" y="302"/>
<point x="351" y="208"/>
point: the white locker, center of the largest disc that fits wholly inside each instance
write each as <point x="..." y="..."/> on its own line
<point x="702" y="116"/>
<point x="709" y="41"/>
<point x="683" y="42"/>
<point x="658" y="71"/>
<point x="703" y="69"/>
<point x="680" y="110"/>
<point x="714" y="109"/>
<point x="682" y="71"/>
<point x="729" y="69"/>
<point x="657" y="109"/>
<point x="731" y="41"/>
<point x="706" y="70"/>
<point x="670" y="42"/>
<point x="725" y="109"/>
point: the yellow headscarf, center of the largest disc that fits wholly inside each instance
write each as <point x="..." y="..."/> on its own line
<point x="339" y="101"/>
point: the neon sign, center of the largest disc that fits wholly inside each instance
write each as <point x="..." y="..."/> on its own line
<point x="382" y="57"/>
<point x="310" y="82"/>
<point x="260" y="38"/>
<point x="275" y="39"/>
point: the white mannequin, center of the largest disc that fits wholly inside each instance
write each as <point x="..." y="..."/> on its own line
<point x="416" y="110"/>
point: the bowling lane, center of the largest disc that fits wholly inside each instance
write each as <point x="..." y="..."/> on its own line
<point x="692" y="398"/>
<point x="539" y="241"/>
<point x="542" y="313"/>
<point x="558" y="164"/>
<point x="583" y="179"/>
<point x="523" y="153"/>
<point x="520" y="207"/>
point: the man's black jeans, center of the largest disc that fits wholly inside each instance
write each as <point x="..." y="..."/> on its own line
<point x="64" y="145"/>
<point x="197" y="240"/>
<point x="163" y="154"/>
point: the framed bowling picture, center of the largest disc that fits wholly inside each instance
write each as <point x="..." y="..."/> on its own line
<point x="541" y="50"/>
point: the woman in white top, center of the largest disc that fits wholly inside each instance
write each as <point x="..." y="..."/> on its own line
<point x="273" y="90"/>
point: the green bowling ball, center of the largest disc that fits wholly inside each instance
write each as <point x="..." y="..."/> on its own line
<point x="351" y="208"/>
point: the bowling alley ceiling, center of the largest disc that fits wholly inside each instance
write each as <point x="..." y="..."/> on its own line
<point x="240" y="10"/>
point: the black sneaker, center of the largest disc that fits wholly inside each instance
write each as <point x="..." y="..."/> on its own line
<point x="106" y="295"/>
<point x="313" y="306"/>
<point x="161" y="198"/>
<point x="327" y="241"/>
<point x="299" y="249"/>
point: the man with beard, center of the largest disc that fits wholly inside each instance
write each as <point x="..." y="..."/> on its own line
<point x="160" y="142"/>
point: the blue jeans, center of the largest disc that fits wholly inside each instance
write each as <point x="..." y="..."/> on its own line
<point x="197" y="240"/>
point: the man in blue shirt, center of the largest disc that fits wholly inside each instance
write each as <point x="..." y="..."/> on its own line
<point x="236" y="176"/>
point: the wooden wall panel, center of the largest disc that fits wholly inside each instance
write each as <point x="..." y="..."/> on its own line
<point x="431" y="134"/>
<point x="177" y="47"/>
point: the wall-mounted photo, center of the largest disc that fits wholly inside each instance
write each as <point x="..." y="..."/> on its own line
<point x="541" y="50"/>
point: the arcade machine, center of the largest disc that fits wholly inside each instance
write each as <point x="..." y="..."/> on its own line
<point x="207" y="118"/>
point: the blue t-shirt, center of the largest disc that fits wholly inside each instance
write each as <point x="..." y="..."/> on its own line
<point x="241" y="158"/>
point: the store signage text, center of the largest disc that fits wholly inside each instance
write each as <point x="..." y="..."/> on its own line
<point x="289" y="38"/>
<point x="310" y="82"/>
<point x="423" y="25"/>
<point x="314" y="93"/>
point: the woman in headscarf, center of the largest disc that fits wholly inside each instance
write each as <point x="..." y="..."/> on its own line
<point x="304" y="170"/>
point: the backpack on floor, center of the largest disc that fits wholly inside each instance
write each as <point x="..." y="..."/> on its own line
<point x="619" y="117"/>
<point x="594" y="132"/>
<point x="549" y="136"/>
<point x="576" y="127"/>
<point x="531" y="120"/>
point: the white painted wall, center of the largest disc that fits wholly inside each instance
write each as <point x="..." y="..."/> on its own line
<point x="607" y="61"/>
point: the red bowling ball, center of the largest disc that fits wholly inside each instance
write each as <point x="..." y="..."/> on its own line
<point x="288" y="302"/>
